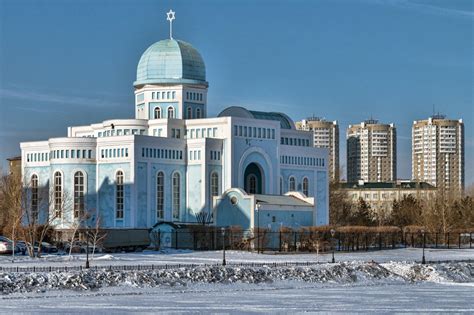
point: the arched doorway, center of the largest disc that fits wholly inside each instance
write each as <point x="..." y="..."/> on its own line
<point x="253" y="179"/>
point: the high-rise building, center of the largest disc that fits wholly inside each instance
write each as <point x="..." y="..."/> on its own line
<point x="438" y="152"/>
<point x="325" y="135"/>
<point x="371" y="152"/>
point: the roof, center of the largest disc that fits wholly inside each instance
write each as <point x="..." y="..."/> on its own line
<point x="171" y="61"/>
<point x="388" y="185"/>
<point x="238" y="111"/>
<point x="15" y="158"/>
<point x="281" y="200"/>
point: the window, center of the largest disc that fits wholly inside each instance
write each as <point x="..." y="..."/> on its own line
<point x="119" y="195"/>
<point x="190" y="113"/>
<point x="160" y="195"/>
<point x="198" y="113"/>
<point x="58" y="194"/>
<point x="292" y="184"/>
<point x="170" y="112"/>
<point x="157" y="112"/>
<point x="214" y="186"/>
<point x="168" y="95"/>
<point x="252" y="184"/>
<point x="281" y="185"/>
<point x="176" y="195"/>
<point x="78" y="194"/>
<point x="34" y="197"/>
<point x="173" y="94"/>
<point x="305" y="186"/>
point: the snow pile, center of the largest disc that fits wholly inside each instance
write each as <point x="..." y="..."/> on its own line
<point x="342" y="273"/>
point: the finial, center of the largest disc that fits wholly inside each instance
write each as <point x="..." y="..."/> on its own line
<point x="170" y="16"/>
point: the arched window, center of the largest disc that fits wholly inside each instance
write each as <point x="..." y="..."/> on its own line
<point x="305" y="186"/>
<point x="119" y="195"/>
<point x="160" y="195"/>
<point x="176" y="195"/>
<point x="252" y="184"/>
<point x="214" y="187"/>
<point x="58" y="194"/>
<point x="190" y="113"/>
<point x="78" y="194"/>
<point x="281" y="185"/>
<point x="198" y="113"/>
<point x="292" y="184"/>
<point x="168" y="95"/>
<point x="34" y="197"/>
<point x="157" y="113"/>
<point x="170" y="112"/>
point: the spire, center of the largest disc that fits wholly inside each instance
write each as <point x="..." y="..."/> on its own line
<point x="170" y="16"/>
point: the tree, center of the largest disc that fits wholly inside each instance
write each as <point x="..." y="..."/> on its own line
<point x="339" y="205"/>
<point x="362" y="215"/>
<point x="407" y="211"/>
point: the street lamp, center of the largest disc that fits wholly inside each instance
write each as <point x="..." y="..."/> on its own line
<point x="223" y="246"/>
<point x="423" y="261"/>
<point x="87" y="248"/>
<point x="257" y="208"/>
<point x="333" y="233"/>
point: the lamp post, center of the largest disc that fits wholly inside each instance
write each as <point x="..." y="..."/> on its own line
<point x="423" y="261"/>
<point x="333" y="233"/>
<point x="257" y="208"/>
<point x="87" y="248"/>
<point x="223" y="246"/>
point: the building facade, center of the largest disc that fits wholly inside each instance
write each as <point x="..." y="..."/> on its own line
<point x="381" y="195"/>
<point x="171" y="162"/>
<point x="325" y="135"/>
<point x="371" y="152"/>
<point x="438" y="152"/>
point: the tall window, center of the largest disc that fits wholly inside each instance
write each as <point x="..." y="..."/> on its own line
<point x="198" y="113"/>
<point x="252" y="184"/>
<point x="190" y="112"/>
<point x="157" y="112"/>
<point x="292" y="184"/>
<point x="78" y="194"/>
<point x="119" y="195"/>
<point x="281" y="185"/>
<point x="214" y="186"/>
<point x="170" y="112"/>
<point x="58" y="194"/>
<point x="176" y="195"/>
<point x="160" y="195"/>
<point x="34" y="197"/>
<point x="305" y="186"/>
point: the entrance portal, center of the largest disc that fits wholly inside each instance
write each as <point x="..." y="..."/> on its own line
<point x="253" y="179"/>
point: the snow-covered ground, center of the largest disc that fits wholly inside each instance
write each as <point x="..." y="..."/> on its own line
<point x="213" y="257"/>
<point x="396" y="283"/>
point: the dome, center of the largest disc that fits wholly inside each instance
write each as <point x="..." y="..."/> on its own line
<point x="237" y="111"/>
<point x="171" y="61"/>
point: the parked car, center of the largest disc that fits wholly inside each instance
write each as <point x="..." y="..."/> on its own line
<point x="21" y="247"/>
<point x="6" y="245"/>
<point x="46" y="248"/>
<point x="79" y="247"/>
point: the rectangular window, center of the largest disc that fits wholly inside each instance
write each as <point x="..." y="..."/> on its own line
<point x="199" y="155"/>
<point x="126" y="152"/>
<point x="214" y="132"/>
<point x="143" y="152"/>
<point x="67" y="154"/>
<point x="89" y="154"/>
<point x="259" y="135"/>
<point x="240" y="131"/>
<point x="273" y="133"/>
<point x="83" y="154"/>
<point x="245" y="131"/>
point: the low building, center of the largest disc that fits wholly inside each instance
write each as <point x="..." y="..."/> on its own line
<point x="14" y="165"/>
<point x="380" y="195"/>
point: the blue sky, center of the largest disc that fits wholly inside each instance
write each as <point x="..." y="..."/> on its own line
<point x="68" y="63"/>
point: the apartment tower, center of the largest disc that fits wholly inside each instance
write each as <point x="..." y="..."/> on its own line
<point x="371" y="152"/>
<point x="438" y="152"/>
<point x="325" y="135"/>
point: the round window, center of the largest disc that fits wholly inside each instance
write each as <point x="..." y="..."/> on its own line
<point x="234" y="200"/>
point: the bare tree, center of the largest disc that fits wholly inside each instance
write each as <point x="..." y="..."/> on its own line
<point x="97" y="235"/>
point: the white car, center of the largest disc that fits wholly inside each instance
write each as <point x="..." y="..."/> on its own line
<point x="5" y="245"/>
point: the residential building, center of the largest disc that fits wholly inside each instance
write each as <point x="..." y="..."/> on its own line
<point x="325" y="135"/>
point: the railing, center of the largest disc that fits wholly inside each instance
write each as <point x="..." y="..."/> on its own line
<point x="308" y="241"/>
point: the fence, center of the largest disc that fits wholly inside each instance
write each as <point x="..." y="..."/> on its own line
<point x="308" y="241"/>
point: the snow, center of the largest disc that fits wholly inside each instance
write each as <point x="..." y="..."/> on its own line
<point x="215" y="257"/>
<point x="379" y="281"/>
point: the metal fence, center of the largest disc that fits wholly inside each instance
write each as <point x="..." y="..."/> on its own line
<point x="306" y="241"/>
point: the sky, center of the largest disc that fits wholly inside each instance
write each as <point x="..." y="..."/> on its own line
<point x="67" y="63"/>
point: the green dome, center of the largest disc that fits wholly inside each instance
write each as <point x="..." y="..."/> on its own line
<point x="171" y="61"/>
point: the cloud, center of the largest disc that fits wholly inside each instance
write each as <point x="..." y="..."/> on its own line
<point x="52" y="99"/>
<point x="426" y="8"/>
